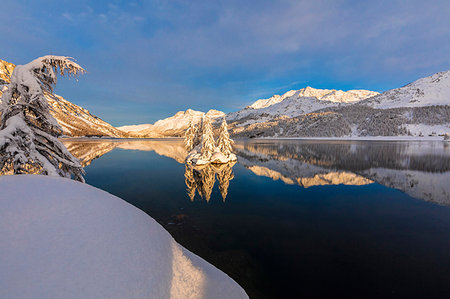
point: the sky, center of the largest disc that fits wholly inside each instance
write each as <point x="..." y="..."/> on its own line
<point x="146" y="60"/>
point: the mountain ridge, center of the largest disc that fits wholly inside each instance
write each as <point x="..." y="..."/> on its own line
<point x="173" y="126"/>
<point x="74" y="120"/>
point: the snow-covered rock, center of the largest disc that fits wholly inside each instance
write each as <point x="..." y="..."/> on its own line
<point x="63" y="239"/>
<point x="219" y="158"/>
<point x="428" y="91"/>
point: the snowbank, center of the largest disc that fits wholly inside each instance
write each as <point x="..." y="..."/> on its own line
<point x="64" y="239"/>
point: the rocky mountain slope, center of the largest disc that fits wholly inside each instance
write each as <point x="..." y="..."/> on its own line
<point x="297" y="102"/>
<point x="173" y="126"/>
<point x="421" y="108"/>
<point x="74" y="120"/>
<point x="429" y="91"/>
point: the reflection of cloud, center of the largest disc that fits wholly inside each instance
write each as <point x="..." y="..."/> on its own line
<point x="230" y="49"/>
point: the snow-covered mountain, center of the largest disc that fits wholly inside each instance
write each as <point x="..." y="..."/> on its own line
<point x="418" y="109"/>
<point x="298" y="102"/>
<point x="428" y="91"/>
<point x="74" y="120"/>
<point x="173" y="126"/>
<point x="6" y="70"/>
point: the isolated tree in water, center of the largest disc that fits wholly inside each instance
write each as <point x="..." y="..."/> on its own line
<point x="189" y="137"/>
<point x="28" y="136"/>
<point x="208" y="143"/>
<point x="198" y="131"/>
<point x="224" y="143"/>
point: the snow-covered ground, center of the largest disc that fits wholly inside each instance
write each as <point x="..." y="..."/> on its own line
<point x="64" y="239"/>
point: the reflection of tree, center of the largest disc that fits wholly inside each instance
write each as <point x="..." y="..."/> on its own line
<point x="202" y="179"/>
<point x="224" y="176"/>
<point x="190" y="181"/>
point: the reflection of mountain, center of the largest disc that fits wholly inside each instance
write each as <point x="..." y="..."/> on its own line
<point x="169" y="148"/>
<point x="87" y="151"/>
<point x="421" y="169"/>
<point x="319" y="179"/>
<point x="203" y="178"/>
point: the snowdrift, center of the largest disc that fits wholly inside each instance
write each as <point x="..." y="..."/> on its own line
<point x="64" y="239"/>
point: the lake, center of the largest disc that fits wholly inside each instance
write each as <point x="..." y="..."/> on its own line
<point x="295" y="218"/>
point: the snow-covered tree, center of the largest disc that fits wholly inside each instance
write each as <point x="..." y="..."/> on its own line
<point x="189" y="137"/>
<point x="198" y="129"/>
<point x="28" y="136"/>
<point x="208" y="142"/>
<point x="224" y="142"/>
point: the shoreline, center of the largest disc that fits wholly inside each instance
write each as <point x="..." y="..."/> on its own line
<point x="354" y="138"/>
<point x="365" y="138"/>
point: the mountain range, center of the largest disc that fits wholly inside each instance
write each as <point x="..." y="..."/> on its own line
<point x="421" y="108"/>
<point x="172" y="126"/>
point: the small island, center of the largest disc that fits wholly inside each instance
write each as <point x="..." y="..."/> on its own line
<point x="203" y="148"/>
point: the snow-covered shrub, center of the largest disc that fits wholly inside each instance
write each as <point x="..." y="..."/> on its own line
<point x="28" y="136"/>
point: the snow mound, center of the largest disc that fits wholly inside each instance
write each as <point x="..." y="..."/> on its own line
<point x="63" y="239"/>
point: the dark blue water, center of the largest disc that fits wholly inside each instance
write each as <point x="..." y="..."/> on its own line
<point x="298" y="219"/>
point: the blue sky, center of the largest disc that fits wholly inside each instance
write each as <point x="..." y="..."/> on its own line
<point x="147" y="60"/>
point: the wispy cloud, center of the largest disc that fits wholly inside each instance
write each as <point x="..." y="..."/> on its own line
<point x="223" y="54"/>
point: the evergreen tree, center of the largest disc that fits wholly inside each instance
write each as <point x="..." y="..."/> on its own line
<point x="224" y="143"/>
<point x="28" y="136"/>
<point x="189" y="137"/>
<point x="208" y="143"/>
<point x="198" y="130"/>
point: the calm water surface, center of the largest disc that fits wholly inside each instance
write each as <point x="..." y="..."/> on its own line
<point x="297" y="218"/>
